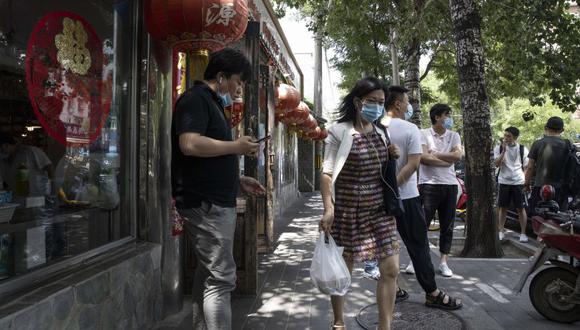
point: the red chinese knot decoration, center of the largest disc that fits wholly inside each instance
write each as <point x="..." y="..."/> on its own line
<point x="196" y="24"/>
<point x="69" y="78"/>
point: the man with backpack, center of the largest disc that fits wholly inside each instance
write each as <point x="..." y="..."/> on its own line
<point x="511" y="158"/>
<point x="552" y="161"/>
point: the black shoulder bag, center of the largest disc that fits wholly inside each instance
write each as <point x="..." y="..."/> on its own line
<point x="391" y="196"/>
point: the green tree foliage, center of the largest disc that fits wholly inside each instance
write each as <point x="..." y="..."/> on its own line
<point x="531" y="47"/>
<point x="357" y="35"/>
<point x="358" y="31"/>
<point x="511" y="112"/>
<point x="506" y="112"/>
<point x="532" y="51"/>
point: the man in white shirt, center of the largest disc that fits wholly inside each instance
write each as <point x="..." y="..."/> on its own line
<point x="15" y="157"/>
<point x="437" y="180"/>
<point x="412" y="225"/>
<point x="511" y="159"/>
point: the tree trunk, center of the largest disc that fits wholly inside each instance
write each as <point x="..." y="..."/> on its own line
<point x="481" y="238"/>
<point x="412" y="80"/>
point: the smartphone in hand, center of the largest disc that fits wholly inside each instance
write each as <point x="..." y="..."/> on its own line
<point x="265" y="138"/>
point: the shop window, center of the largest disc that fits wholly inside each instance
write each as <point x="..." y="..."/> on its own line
<point x="65" y="70"/>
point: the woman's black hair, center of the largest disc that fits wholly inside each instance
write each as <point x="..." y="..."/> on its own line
<point x="229" y="61"/>
<point x="347" y="111"/>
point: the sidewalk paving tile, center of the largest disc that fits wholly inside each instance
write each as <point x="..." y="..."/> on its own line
<point x="287" y="299"/>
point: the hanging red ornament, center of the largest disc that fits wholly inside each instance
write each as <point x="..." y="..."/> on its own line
<point x="323" y="135"/>
<point x="288" y="98"/>
<point x="314" y="133"/>
<point x="196" y="24"/>
<point x="299" y="114"/>
<point x="309" y="124"/>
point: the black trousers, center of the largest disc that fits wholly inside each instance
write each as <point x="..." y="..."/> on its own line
<point x="413" y="227"/>
<point x="440" y="198"/>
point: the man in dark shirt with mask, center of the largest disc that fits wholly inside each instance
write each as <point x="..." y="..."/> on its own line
<point x="546" y="158"/>
<point x="205" y="180"/>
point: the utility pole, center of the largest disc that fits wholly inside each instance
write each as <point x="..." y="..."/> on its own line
<point x="318" y="74"/>
<point x="394" y="58"/>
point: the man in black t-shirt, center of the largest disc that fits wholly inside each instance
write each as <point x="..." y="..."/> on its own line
<point x="205" y="180"/>
<point x="546" y="159"/>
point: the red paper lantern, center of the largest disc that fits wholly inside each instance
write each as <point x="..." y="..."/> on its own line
<point x="196" y="24"/>
<point x="314" y="133"/>
<point x="288" y="98"/>
<point x="278" y="117"/>
<point x="309" y="125"/>
<point x="323" y="135"/>
<point x="286" y="120"/>
<point x="299" y="114"/>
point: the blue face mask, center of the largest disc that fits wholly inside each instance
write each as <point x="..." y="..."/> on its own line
<point x="372" y="112"/>
<point x="409" y="112"/>
<point x="448" y="123"/>
<point x="226" y="99"/>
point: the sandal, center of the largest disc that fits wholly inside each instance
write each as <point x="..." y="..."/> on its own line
<point x="439" y="301"/>
<point x="401" y="295"/>
<point x="334" y="326"/>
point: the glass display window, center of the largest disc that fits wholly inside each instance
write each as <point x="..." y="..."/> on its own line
<point x="65" y="83"/>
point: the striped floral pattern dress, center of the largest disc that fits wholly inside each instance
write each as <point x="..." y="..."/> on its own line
<point x="361" y="224"/>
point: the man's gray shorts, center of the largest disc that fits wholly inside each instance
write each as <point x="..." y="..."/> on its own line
<point x="213" y="229"/>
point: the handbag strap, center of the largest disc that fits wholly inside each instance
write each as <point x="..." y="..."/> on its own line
<point x="385" y="131"/>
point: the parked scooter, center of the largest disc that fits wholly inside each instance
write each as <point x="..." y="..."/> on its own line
<point x="550" y="288"/>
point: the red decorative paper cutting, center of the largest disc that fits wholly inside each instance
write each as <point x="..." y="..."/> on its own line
<point x="69" y="77"/>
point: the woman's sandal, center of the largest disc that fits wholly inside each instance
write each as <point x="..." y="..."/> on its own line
<point x="334" y="326"/>
<point x="401" y="295"/>
<point x="439" y="301"/>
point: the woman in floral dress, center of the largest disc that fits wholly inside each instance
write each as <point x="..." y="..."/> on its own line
<point x="352" y="190"/>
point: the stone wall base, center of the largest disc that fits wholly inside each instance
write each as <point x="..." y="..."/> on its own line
<point x="122" y="290"/>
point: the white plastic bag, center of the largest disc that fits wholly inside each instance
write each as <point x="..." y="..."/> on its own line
<point x="328" y="270"/>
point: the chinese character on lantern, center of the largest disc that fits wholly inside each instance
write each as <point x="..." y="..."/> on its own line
<point x="223" y="16"/>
